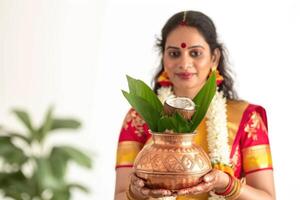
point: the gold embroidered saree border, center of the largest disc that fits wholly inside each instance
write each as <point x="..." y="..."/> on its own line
<point x="127" y="152"/>
<point x="256" y="158"/>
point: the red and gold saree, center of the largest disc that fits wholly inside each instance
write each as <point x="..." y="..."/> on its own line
<point x="247" y="133"/>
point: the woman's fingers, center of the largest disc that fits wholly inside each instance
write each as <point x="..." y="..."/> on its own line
<point x="192" y="190"/>
<point x="198" y="189"/>
<point x="160" y="193"/>
<point x="206" y="185"/>
<point x="210" y="177"/>
<point x="138" y="188"/>
<point x="138" y="192"/>
<point x="137" y="181"/>
<point x="144" y="191"/>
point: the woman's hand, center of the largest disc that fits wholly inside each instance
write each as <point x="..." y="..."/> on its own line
<point x="140" y="191"/>
<point x="214" y="180"/>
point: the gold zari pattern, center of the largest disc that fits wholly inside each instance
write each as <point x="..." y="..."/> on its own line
<point x="252" y="128"/>
<point x="256" y="157"/>
<point x="136" y="121"/>
<point x="127" y="151"/>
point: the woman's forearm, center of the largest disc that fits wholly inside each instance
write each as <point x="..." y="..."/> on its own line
<point x="120" y="196"/>
<point x="251" y="193"/>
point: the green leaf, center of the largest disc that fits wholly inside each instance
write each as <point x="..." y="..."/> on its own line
<point x="70" y="153"/>
<point x="140" y="89"/>
<point x="24" y="117"/>
<point x="58" y="160"/>
<point x="10" y="153"/>
<point x="51" y="124"/>
<point x="146" y="110"/>
<point x="55" y="124"/>
<point x="45" y="177"/>
<point x="61" y="195"/>
<point x="176" y="123"/>
<point x="182" y="124"/>
<point x="165" y="123"/>
<point x="6" y="178"/>
<point x="14" y="184"/>
<point x="78" y="156"/>
<point x="17" y="135"/>
<point x="203" y="100"/>
<point x="46" y="126"/>
<point x="18" y="189"/>
<point x="65" y="124"/>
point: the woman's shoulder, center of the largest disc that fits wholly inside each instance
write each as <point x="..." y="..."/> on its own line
<point x="244" y="105"/>
<point x="245" y="110"/>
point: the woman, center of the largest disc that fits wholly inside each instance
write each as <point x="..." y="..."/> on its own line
<point x="190" y="51"/>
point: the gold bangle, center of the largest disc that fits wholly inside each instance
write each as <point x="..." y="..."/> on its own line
<point x="236" y="191"/>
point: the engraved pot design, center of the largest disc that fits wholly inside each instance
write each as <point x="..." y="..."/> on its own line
<point x="172" y="162"/>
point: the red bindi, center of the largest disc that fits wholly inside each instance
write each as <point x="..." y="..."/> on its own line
<point x="183" y="45"/>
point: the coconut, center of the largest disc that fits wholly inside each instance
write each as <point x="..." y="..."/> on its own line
<point x="183" y="105"/>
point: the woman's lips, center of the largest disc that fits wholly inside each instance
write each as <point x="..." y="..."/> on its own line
<point x="185" y="75"/>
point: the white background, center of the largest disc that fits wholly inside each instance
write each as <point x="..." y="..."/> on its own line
<point x="74" y="54"/>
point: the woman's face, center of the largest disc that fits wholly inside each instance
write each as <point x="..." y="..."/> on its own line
<point x="187" y="58"/>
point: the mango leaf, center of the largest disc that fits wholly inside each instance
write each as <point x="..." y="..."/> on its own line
<point x="165" y="123"/>
<point x="140" y="89"/>
<point x="203" y="100"/>
<point x="182" y="124"/>
<point x="176" y="123"/>
<point x="10" y="153"/>
<point x="24" y="117"/>
<point x="145" y="109"/>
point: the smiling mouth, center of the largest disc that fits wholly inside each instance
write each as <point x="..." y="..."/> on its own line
<point x="185" y="75"/>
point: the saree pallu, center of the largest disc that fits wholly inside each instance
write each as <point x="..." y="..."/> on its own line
<point x="247" y="139"/>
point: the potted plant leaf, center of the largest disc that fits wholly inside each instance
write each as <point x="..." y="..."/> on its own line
<point x="172" y="161"/>
<point x="29" y="170"/>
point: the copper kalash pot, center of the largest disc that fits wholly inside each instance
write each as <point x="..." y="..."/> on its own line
<point x="172" y="162"/>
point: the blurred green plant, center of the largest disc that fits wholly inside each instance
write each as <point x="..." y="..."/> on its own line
<point x="29" y="169"/>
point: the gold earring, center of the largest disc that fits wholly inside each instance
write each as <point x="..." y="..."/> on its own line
<point x="219" y="77"/>
<point x="214" y="68"/>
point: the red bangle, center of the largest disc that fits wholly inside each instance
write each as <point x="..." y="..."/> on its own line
<point x="228" y="188"/>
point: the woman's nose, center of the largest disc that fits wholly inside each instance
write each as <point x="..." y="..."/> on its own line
<point x="185" y="62"/>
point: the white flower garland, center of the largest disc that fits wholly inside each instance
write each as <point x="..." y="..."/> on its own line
<point x="217" y="133"/>
<point x="217" y="137"/>
<point x="165" y="92"/>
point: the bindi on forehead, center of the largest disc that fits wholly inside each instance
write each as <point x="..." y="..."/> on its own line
<point x="183" y="45"/>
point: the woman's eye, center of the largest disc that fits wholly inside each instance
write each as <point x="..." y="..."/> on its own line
<point x="174" y="54"/>
<point x="195" y="53"/>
